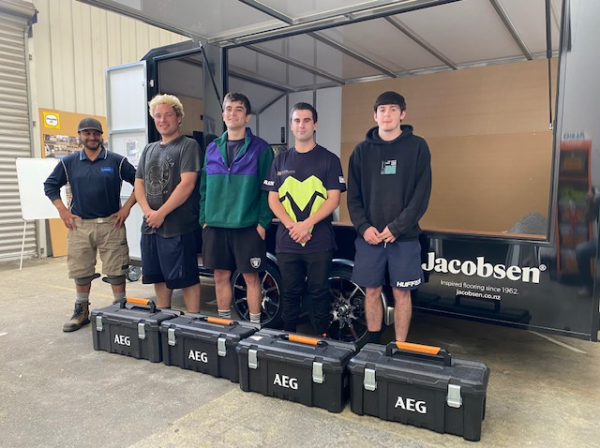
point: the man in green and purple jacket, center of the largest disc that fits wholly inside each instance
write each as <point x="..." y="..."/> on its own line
<point x="234" y="211"/>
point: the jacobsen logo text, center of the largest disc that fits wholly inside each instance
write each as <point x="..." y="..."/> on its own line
<point x="482" y="269"/>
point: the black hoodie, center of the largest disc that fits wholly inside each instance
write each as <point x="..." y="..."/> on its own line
<point x="389" y="183"/>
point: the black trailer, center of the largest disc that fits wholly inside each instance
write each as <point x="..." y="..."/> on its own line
<point x="510" y="240"/>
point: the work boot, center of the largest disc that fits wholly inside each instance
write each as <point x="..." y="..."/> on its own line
<point x="80" y="317"/>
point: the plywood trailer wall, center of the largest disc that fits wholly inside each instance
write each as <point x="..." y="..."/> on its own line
<point x="489" y="135"/>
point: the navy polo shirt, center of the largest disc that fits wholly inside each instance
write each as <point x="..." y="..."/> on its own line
<point x="95" y="185"/>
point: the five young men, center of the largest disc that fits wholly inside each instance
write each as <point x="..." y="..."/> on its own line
<point x="241" y="187"/>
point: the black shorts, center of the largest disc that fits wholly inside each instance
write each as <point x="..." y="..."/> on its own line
<point x="234" y="249"/>
<point x="172" y="261"/>
<point x="401" y="259"/>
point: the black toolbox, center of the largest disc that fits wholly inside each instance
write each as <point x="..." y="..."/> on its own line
<point x="204" y="344"/>
<point x="294" y="367"/>
<point x="130" y="328"/>
<point x="419" y="385"/>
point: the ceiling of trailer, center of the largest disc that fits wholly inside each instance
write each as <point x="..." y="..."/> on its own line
<point x="293" y="45"/>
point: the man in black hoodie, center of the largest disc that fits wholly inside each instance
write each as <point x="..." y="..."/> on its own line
<point x="389" y="184"/>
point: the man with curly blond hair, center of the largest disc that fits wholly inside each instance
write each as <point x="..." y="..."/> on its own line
<point x="166" y="189"/>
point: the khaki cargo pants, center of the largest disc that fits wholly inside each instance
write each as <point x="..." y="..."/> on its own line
<point x="94" y="236"/>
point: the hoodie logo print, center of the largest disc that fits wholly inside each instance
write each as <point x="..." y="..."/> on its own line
<point x="388" y="167"/>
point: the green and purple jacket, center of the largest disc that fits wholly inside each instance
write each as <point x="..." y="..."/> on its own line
<point x="231" y="196"/>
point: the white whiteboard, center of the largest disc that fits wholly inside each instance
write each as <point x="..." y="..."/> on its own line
<point x="31" y="175"/>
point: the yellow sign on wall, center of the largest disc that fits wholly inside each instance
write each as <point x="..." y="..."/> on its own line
<point x="51" y="120"/>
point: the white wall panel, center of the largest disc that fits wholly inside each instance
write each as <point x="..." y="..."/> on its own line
<point x="113" y="39"/>
<point x="64" y="57"/>
<point x="100" y="59"/>
<point x="329" y="108"/>
<point x="54" y="47"/>
<point x="73" y="43"/>
<point x="141" y="36"/>
<point x="271" y="121"/>
<point x="153" y="37"/>
<point x="84" y="97"/>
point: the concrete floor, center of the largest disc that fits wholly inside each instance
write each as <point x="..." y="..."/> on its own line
<point x="56" y="391"/>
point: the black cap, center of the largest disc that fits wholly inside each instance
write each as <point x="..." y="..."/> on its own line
<point x="89" y="123"/>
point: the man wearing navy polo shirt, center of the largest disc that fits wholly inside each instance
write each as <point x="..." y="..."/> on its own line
<point x="94" y="217"/>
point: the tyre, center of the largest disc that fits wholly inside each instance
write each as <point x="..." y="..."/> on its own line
<point x="134" y="273"/>
<point x="270" y="282"/>
<point x="348" y="320"/>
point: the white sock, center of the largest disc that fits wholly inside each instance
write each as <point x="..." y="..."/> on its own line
<point x="119" y="297"/>
<point x="82" y="297"/>
<point x="224" y="314"/>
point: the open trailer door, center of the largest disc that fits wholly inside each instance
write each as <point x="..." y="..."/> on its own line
<point x="126" y="94"/>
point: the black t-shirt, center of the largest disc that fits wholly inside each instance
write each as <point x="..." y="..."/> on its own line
<point x="302" y="180"/>
<point x="233" y="146"/>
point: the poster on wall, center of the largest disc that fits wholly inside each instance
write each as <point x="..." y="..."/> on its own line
<point x="58" y="146"/>
<point x="132" y="151"/>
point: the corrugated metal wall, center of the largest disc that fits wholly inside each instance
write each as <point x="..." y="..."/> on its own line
<point x="73" y="44"/>
<point x="15" y="137"/>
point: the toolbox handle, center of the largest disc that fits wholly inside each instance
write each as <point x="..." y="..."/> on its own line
<point x="219" y="320"/>
<point x="419" y="348"/>
<point x="137" y="301"/>
<point x="420" y="351"/>
<point x="304" y="339"/>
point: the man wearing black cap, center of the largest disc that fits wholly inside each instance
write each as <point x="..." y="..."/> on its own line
<point x="94" y="217"/>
